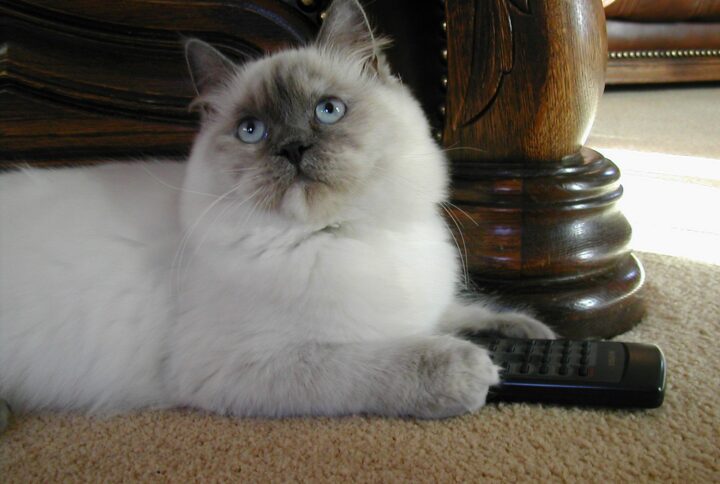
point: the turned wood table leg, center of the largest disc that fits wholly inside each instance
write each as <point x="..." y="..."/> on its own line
<point x="524" y="81"/>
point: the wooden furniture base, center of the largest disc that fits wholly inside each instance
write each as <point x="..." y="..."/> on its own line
<point x="549" y="236"/>
<point x="537" y="211"/>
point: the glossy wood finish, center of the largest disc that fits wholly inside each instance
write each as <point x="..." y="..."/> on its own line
<point x="525" y="78"/>
<point x="538" y="213"/>
<point x="90" y="79"/>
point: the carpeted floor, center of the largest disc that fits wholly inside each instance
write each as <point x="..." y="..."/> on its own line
<point x="676" y="120"/>
<point x="679" y="442"/>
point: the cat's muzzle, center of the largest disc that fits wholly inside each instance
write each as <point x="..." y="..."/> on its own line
<point x="293" y="152"/>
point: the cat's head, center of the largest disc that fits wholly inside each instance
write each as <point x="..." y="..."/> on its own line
<point x="319" y="134"/>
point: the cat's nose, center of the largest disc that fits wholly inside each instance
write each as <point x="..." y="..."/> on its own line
<point x="294" y="152"/>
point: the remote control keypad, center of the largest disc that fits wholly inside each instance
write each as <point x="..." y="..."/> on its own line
<point x="575" y="372"/>
<point x="544" y="357"/>
<point x="536" y="359"/>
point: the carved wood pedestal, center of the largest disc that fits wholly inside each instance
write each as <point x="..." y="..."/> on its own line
<point x="524" y="81"/>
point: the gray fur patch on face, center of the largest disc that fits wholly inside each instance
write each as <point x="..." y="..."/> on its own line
<point x="283" y="91"/>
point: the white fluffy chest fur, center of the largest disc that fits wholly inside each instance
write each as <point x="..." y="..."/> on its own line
<point x="95" y="300"/>
<point x="333" y="285"/>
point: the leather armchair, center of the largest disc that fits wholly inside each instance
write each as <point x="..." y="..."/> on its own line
<point x="663" y="41"/>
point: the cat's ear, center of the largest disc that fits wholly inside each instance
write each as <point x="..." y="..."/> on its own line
<point x="346" y="27"/>
<point x="208" y="67"/>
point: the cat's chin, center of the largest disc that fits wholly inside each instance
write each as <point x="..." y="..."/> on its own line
<point x="302" y="199"/>
<point x="311" y="202"/>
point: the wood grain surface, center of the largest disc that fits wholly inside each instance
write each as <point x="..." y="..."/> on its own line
<point x="91" y="79"/>
<point x="536" y="213"/>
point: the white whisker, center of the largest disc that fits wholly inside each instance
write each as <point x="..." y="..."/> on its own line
<point x="463" y="254"/>
<point x="178" y="260"/>
<point x="232" y="205"/>
<point x="462" y="212"/>
<point x="180" y="189"/>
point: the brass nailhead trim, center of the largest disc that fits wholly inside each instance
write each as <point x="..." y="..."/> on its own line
<point x="664" y="54"/>
<point x="438" y="134"/>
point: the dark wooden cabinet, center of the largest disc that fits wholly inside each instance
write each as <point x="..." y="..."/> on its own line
<point x="83" y="80"/>
<point x="510" y="86"/>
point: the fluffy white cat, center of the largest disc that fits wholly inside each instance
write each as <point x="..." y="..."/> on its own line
<point x="297" y="264"/>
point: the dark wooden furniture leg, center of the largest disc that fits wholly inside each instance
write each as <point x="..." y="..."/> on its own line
<point x="524" y="80"/>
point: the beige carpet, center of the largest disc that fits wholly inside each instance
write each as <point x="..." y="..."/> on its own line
<point x="679" y="442"/>
<point x="673" y="120"/>
<point x="667" y="145"/>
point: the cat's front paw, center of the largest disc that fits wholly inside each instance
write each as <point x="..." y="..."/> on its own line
<point x="476" y="318"/>
<point x="519" y="325"/>
<point x="455" y="377"/>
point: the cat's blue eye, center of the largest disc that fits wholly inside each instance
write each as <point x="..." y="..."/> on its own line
<point x="251" y="130"/>
<point x="330" y="110"/>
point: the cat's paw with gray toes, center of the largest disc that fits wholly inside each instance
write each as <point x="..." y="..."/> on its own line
<point x="469" y="319"/>
<point x="520" y="325"/>
<point x="455" y="378"/>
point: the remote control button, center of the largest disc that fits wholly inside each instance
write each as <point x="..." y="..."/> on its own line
<point x="563" y="370"/>
<point x="583" y="371"/>
<point x="544" y="369"/>
<point x="525" y="368"/>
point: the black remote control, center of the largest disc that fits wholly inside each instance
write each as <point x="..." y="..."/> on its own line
<point x="576" y="372"/>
